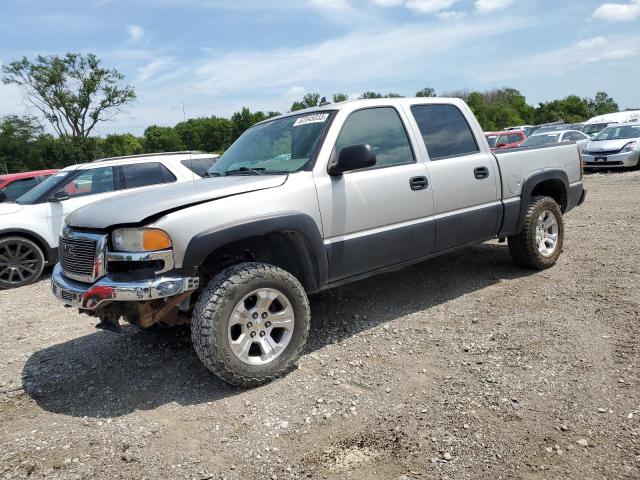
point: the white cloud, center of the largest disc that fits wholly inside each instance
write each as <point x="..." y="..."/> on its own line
<point x="618" y="12"/>
<point x="418" y="6"/>
<point x="484" y="6"/>
<point x="451" y="15"/>
<point x="136" y="32"/>
<point x="334" y="5"/>
<point x="593" y="42"/>
<point x="294" y="93"/>
<point x="154" y="68"/>
<point x="616" y="54"/>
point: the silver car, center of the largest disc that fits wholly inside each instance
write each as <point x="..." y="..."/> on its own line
<point x="614" y="147"/>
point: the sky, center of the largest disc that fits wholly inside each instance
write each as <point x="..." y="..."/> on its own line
<point x="212" y="57"/>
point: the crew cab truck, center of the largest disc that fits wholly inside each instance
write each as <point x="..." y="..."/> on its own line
<point x="304" y="202"/>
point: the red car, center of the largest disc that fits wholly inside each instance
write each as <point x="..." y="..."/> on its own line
<point x="14" y="185"/>
<point x="510" y="139"/>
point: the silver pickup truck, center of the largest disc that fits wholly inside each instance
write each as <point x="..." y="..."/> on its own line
<point x="303" y="202"/>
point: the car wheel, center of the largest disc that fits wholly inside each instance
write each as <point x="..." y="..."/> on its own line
<point x="540" y="241"/>
<point x="21" y="262"/>
<point x="250" y="323"/>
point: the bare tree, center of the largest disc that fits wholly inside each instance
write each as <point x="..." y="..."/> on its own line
<point x="73" y="92"/>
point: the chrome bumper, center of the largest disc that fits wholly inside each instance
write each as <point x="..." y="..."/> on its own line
<point x="91" y="296"/>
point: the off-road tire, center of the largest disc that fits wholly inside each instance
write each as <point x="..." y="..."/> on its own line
<point x="209" y="325"/>
<point x="523" y="247"/>
<point x="36" y="261"/>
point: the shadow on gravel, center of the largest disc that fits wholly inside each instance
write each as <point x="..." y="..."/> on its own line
<point x="108" y="375"/>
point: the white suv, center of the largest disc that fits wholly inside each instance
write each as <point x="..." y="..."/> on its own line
<point x="29" y="227"/>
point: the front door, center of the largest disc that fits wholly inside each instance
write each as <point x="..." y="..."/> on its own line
<point x="379" y="216"/>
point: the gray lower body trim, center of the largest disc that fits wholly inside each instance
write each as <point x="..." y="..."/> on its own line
<point x="467" y="226"/>
<point x="510" y="217"/>
<point x="356" y="254"/>
<point x="577" y="194"/>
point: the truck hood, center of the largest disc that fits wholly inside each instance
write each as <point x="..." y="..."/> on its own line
<point x="9" y="207"/>
<point x="136" y="207"/>
<point x="608" y="145"/>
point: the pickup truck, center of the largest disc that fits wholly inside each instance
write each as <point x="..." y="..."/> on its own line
<point x="303" y="202"/>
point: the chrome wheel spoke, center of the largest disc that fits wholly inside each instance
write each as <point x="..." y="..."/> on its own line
<point x="270" y="349"/>
<point x="242" y="346"/>
<point x="265" y="299"/>
<point x="547" y="233"/>
<point x="282" y="319"/>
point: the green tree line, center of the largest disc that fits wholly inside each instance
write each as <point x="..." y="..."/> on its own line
<point x="25" y="145"/>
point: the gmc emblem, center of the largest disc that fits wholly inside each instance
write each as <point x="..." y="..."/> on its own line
<point x="67" y="250"/>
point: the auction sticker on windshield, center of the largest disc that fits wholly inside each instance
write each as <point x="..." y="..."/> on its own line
<point x="317" y="118"/>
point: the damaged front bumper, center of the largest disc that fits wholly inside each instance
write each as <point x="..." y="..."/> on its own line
<point x="91" y="296"/>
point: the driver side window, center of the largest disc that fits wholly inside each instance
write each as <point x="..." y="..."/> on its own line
<point x="381" y="128"/>
<point x="91" y="182"/>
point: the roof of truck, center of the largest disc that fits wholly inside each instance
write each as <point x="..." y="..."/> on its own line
<point x="369" y="102"/>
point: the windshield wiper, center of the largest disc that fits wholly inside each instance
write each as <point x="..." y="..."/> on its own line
<point x="246" y="171"/>
<point x="212" y="174"/>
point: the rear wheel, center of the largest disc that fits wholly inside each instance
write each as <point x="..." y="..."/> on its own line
<point x="251" y="323"/>
<point x="540" y="241"/>
<point x="21" y="262"/>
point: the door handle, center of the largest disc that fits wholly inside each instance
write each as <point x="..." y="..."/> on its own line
<point x="481" y="172"/>
<point x="418" y="183"/>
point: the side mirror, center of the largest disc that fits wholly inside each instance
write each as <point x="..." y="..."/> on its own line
<point x="59" y="196"/>
<point x="353" y="157"/>
<point x="3" y="197"/>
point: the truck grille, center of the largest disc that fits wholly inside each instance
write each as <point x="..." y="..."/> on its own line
<point x="77" y="256"/>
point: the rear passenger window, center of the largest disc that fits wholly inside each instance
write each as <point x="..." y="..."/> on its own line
<point x="515" y="138"/>
<point x="382" y="129"/>
<point x="145" y="174"/>
<point x="445" y="131"/>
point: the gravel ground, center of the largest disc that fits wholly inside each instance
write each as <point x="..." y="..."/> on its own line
<point x="461" y="367"/>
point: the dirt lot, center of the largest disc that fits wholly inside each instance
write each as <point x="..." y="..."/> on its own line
<point x="461" y="367"/>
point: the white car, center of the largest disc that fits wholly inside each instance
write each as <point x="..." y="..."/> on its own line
<point x="595" y="125"/>
<point x="29" y="227"/>
<point x="614" y="147"/>
<point x="549" y="137"/>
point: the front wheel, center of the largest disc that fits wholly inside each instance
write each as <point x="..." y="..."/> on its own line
<point x="250" y="323"/>
<point x="21" y="262"/>
<point x="539" y="243"/>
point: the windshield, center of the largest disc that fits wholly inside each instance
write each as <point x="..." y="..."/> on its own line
<point x="593" y="128"/>
<point x="492" y="140"/>
<point x="278" y="146"/>
<point x="541" y="139"/>
<point x="618" y="133"/>
<point x="33" y="195"/>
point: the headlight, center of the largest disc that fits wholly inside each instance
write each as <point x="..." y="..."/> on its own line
<point x="140" y="239"/>
<point x="628" y="147"/>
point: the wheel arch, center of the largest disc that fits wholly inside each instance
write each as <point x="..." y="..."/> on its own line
<point x="50" y="253"/>
<point x="550" y="183"/>
<point x="291" y="241"/>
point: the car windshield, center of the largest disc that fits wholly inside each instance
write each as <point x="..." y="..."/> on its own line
<point x="492" y="140"/>
<point x="541" y="139"/>
<point x="593" y="128"/>
<point x="33" y="195"/>
<point x="618" y="133"/>
<point x="284" y="145"/>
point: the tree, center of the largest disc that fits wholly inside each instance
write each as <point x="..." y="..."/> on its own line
<point x="211" y="134"/>
<point x="308" y="101"/>
<point x="393" y="95"/>
<point x="602" y="104"/>
<point x="121" y="145"/>
<point x="17" y="138"/>
<point x="244" y="119"/>
<point x="73" y="93"/>
<point x="426" y="92"/>
<point x="162" y="139"/>
<point x="340" y="97"/>
<point x="371" y="95"/>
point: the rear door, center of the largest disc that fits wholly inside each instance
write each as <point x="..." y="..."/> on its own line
<point x="464" y="177"/>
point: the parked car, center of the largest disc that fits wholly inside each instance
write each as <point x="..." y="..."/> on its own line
<point x="29" y="227"/>
<point x="506" y="139"/>
<point x="595" y="125"/>
<point x="614" y="147"/>
<point x="527" y="129"/>
<point x="13" y="185"/>
<point x="542" y="137"/>
<point x="303" y="202"/>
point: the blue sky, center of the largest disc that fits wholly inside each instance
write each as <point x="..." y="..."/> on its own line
<point x="215" y="56"/>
